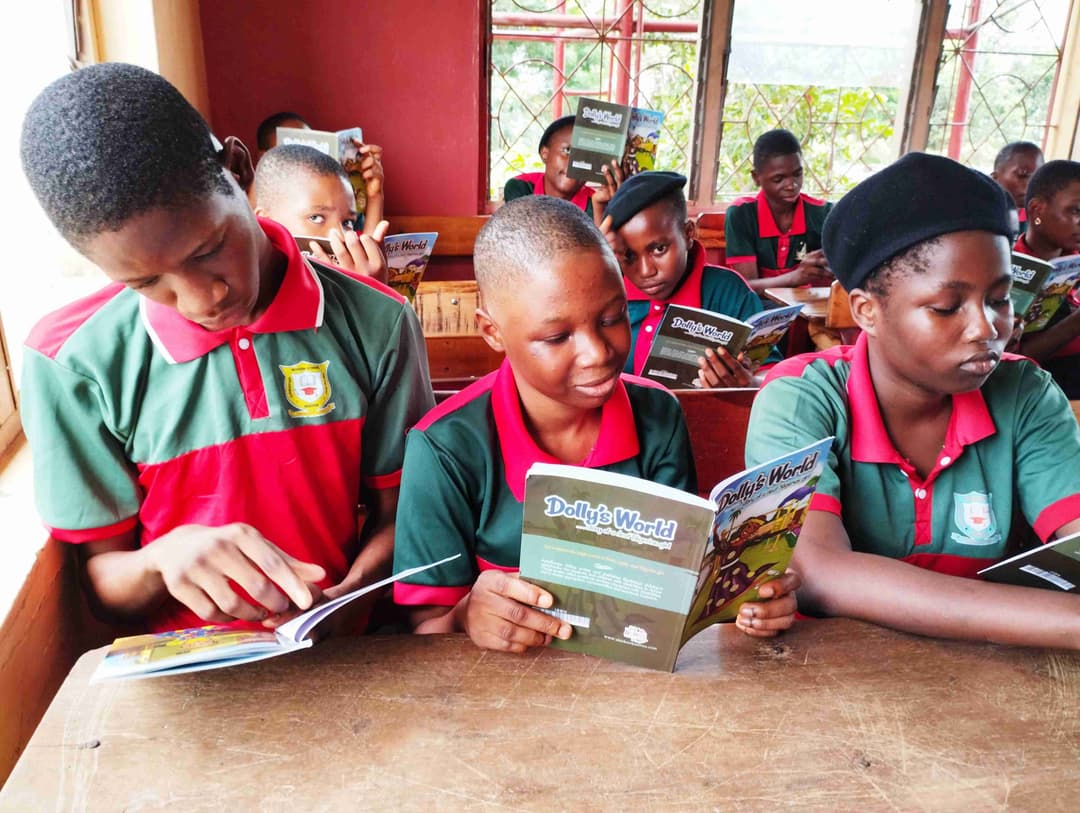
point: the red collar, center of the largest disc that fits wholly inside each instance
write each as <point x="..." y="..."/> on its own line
<point x="969" y="423"/>
<point x="617" y="439"/>
<point x="580" y="199"/>
<point x="1022" y="247"/>
<point x="298" y="305"/>
<point x="1022" y="214"/>
<point x="688" y="292"/>
<point x="767" y="224"/>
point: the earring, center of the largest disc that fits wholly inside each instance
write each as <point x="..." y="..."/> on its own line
<point x="1038" y="221"/>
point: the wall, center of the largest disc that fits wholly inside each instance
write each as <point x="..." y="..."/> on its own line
<point x="408" y="73"/>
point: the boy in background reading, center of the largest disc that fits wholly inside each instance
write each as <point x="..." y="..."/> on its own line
<point x="309" y="193"/>
<point x="553" y="181"/>
<point x="205" y="427"/>
<point x="554" y="303"/>
<point x="1013" y="168"/>
<point x="774" y="238"/>
<point x="947" y="452"/>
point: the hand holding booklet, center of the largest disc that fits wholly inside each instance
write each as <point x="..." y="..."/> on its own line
<point x="213" y="647"/>
<point x="638" y="568"/>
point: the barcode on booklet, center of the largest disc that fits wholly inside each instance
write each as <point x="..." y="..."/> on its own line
<point x="1047" y="575"/>
<point x="571" y="619"/>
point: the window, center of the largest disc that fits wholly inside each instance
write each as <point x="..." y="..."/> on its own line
<point x="858" y="81"/>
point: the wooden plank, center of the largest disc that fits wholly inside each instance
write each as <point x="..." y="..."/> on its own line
<point x="710" y="230"/>
<point x="447" y="307"/>
<point x="460" y="357"/>
<point x="838" y="315"/>
<point x="717" y="421"/>
<point x="456" y="234"/>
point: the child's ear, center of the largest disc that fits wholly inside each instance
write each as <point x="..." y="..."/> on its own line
<point x="754" y="176"/>
<point x="544" y="153"/>
<point x="236" y="158"/>
<point x="690" y="229"/>
<point x="489" y="330"/>
<point x="865" y="310"/>
<point x="1035" y="208"/>
<point x="261" y="211"/>
<point x="993" y="174"/>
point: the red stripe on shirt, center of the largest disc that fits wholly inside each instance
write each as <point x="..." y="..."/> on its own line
<point x="458" y="400"/>
<point x="421" y="594"/>
<point x="50" y="334"/>
<point x="1056" y="515"/>
<point x="965" y="566"/>
<point x="94" y="534"/>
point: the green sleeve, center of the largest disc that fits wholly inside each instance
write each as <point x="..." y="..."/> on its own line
<point x="515" y="189"/>
<point x="401" y="397"/>
<point x="740" y="233"/>
<point x="83" y="478"/>
<point x="437" y="517"/>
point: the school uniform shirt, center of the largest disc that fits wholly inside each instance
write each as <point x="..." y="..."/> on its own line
<point x="464" y="478"/>
<point x="140" y="419"/>
<point x="532" y="183"/>
<point x="1009" y="457"/>
<point x="751" y="233"/>
<point x="710" y="287"/>
<point x="1073" y="347"/>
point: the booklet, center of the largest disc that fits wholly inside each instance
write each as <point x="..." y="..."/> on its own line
<point x="1055" y="293"/>
<point x="1028" y="276"/>
<point x="685" y="333"/>
<point x="638" y="568"/>
<point x="407" y="257"/>
<point x="338" y="145"/>
<point x="606" y="132"/>
<point x="213" y="647"/>
<point x="1055" y="566"/>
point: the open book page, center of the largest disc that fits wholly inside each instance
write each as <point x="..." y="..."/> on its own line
<point x="407" y="257"/>
<point x="759" y="515"/>
<point x="683" y="336"/>
<point x="642" y="140"/>
<point x="768" y="328"/>
<point x="1056" y="293"/>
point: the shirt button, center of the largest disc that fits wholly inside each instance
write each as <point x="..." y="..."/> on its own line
<point x="656" y="307"/>
<point x="243" y="344"/>
<point x="920" y="493"/>
<point x="946" y="460"/>
<point x="648" y="328"/>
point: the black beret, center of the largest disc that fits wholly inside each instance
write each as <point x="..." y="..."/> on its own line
<point x="912" y="200"/>
<point x="554" y="127"/>
<point x="639" y="191"/>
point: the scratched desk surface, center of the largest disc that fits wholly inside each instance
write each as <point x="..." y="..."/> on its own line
<point x="835" y="716"/>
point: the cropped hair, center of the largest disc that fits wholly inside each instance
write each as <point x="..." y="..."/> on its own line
<point x="268" y="126"/>
<point x="1006" y="153"/>
<point x="1051" y="178"/>
<point x="111" y="141"/>
<point x="525" y="232"/>
<point x="774" y="143"/>
<point x="912" y="260"/>
<point x="280" y="166"/>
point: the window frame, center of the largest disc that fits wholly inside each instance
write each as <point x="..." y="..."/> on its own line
<point x="10" y="419"/>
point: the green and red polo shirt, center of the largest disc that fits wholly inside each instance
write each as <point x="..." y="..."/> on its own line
<point x="751" y="233"/>
<point x="710" y="287"/>
<point x="464" y="478"/>
<point x="140" y="419"/>
<point x="1009" y="457"/>
<point x="532" y="183"/>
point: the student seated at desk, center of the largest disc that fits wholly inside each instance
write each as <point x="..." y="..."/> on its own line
<point x="947" y="452"/>
<point x="663" y="264"/>
<point x="309" y="193"/>
<point x="214" y="416"/>
<point x="1053" y="231"/>
<point x="1013" y="167"/>
<point x="553" y="181"/>
<point x="266" y="133"/>
<point x="774" y="238"/>
<point x="554" y="302"/>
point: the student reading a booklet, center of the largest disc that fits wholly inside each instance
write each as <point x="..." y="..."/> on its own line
<point x="308" y="193"/>
<point x="555" y="153"/>
<point x="266" y="133"/>
<point x="1053" y="233"/>
<point x="647" y="226"/>
<point x="1014" y="165"/>
<point x="554" y="303"/>
<point x="216" y="414"/>
<point x="948" y="452"/>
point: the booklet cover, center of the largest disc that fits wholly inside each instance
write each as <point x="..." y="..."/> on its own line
<point x="641" y="140"/>
<point x="214" y="647"/>
<point x="638" y="568"/>
<point x="599" y="137"/>
<point x="1055" y="293"/>
<point x="1054" y="566"/>
<point x="407" y="257"/>
<point x="1028" y="277"/>
<point x="685" y="333"/>
<point x="338" y="145"/>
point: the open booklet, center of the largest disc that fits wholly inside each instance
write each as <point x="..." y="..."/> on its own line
<point x="606" y="132"/>
<point x="1055" y="566"/>
<point x="337" y="145"/>
<point x="685" y="333"/>
<point x="213" y="647"/>
<point x="637" y="568"/>
<point x="407" y="257"/>
<point x="1057" y="287"/>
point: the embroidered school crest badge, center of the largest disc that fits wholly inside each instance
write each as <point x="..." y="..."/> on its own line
<point x="307" y="387"/>
<point x="974" y="518"/>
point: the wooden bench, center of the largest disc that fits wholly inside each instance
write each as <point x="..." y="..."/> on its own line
<point x="457" y="234"/>
<point x="447" y="307"/>
<point x="717" y="421"/>
<point x="710" y="233"/>
<point x="459" y="359"/>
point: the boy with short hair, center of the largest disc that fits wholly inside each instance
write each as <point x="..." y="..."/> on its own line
<point x="774" y="238"/>
<point x="948" y="452"/>
<point x="554" y="303"/>
<point x="555" y="153"/>
<point x="1013" y="168"/>
<point x="309" y="193"/>
<point x="205" y="427"/>
<point x="662" y="263"/>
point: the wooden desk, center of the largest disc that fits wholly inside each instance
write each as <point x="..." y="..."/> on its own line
<point x="836" y="715"/>
<point x="815" y="302"/>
